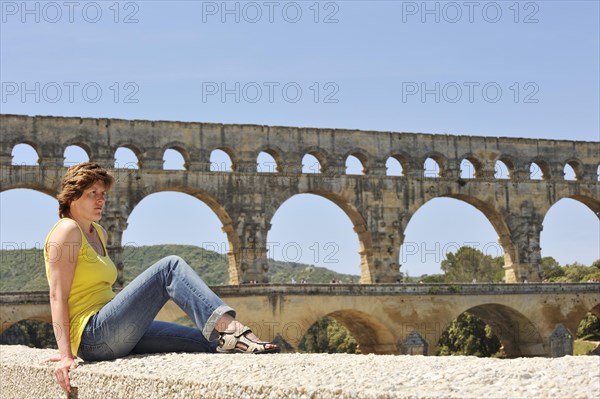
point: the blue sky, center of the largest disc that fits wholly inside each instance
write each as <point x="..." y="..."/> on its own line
<point x="533" y="66"/>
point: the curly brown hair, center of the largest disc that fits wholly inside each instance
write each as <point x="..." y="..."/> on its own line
<point x="76" y="180"/>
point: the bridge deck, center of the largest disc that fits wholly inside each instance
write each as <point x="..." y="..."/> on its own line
<point x="359" y="290"/>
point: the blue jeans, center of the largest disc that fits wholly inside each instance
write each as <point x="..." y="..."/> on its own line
<point x="126" y="324"/>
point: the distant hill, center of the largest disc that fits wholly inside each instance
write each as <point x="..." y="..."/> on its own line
<point x="23" y="270"/>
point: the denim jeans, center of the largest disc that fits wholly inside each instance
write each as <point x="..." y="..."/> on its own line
<point x="126" y="324"/>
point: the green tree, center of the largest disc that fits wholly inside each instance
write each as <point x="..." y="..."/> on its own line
<point x="468" y="335"/>
<point x="470" y="264"/>
<point x="551" y="269"/>
<point x="32" y="333"/>
<point x="589" y="328"/>
<point x="328" y="336"/>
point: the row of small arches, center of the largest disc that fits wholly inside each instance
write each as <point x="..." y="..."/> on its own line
<point x="220" y="161"/>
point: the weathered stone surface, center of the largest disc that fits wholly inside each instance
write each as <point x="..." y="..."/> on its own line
<point x="380" y="316"/>
<point x="380" y="207"/>
<point x="302" y="376"/>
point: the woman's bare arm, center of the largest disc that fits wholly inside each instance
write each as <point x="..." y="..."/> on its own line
<point x="62" y="250"/>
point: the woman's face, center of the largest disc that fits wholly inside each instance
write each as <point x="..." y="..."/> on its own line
<point x="91" y="203"/>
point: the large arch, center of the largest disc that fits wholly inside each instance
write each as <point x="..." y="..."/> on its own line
<point x="232" y="245"/>
<point x="327" y="251"/>
<point x="485" y="243"/>
<point x="566" y="225"/>
<point x="369" y="332"/>
<point x="519" y="335"/>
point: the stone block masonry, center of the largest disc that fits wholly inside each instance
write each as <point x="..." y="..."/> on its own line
<point x="301" y="376"/>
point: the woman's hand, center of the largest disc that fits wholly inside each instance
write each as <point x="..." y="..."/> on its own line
<point x="62" y="370"/>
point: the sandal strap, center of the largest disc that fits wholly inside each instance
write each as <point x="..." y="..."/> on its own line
<point x="229" y="340"/>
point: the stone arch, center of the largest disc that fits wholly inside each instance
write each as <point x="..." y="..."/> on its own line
<point x="218" y="209"/>
<point x="81" y="142"/>
<point x="519" y="336"/>
<point x="404" y="161"/>
<point x="31" y="145"/>
<point x="322" y="156"/>
<point x="495" y="218"/>
<point x="276" y="153"/>
<point x="370" y="333"/>
<point x="577" y="166"/>
<point x="362" y="156"/>
<point x="367" y="269"/>
<point x="232" y="158"/>
<point x="85" y="148"/>
<point x="137" y="152"/>
<point x="544" y="168"/>
<point x="501" y="170"/>
<point x="36" y="312"/>
<point x="475" y="162"/>
<point x="439" y="159"/>
<point x="588" y="201"/>
<point x="181" y="149"/>
<point x="32" y="185"/>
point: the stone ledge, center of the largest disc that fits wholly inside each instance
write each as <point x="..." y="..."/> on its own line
<point x="207" y="376"/>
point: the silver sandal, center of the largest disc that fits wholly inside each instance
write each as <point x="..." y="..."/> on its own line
<point x="238" y="342"/>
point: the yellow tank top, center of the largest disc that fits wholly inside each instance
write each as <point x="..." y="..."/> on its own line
<point x="92" y="284"/>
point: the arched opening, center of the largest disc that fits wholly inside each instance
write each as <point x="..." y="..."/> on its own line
<point x="588" y="336"/>
<point x="573" y="170"/>
<point x="174" y="223"/>
<point x="431" y="168"/>
<point x="501" y="170"/>
<point x="74" y="155"/>
<point x="125" y="158"/>
<point x="317" y="236"/>
<point x="173" y="160"/>
<point x="468" y="335"/>
<point x="394" y="167"/>
<point x="266" y="163"/>
<point x="467" y="169"/>
<point x="351" y="326"/>
<point x="328" y="335"/>
<point x="220" y="161"/>
<point x="518" y="336"/>
<point x="24" y="154"/>
<point x="31" y="333"/>
<point x="571" y="233"/>
<point x="569" y="172"/>
<point x="443" y="226"/>
<point x="354" y="166"/>
<point x="539" y="170"/>
<point x="310" y="164"/>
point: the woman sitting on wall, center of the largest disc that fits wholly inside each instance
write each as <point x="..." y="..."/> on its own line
<point x="91" y="322"/>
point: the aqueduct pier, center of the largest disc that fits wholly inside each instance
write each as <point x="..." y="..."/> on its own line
<point x="381" y="316"/>
<point x="379" y="206"/>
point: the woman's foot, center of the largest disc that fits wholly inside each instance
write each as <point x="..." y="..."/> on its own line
<point x="238" y="338"/>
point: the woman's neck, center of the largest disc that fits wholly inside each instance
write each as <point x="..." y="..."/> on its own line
<point x="86" y="225"/>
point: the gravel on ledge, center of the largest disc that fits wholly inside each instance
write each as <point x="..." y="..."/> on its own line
<point x="185" y="375"/>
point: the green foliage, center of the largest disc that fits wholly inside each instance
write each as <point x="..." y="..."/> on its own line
<point x="23" y="270"/>
<point x="589" y="328"/>
<point x="469" y="264"/>
<point x="433" y="278"/>
<point x="572" y="273"/>
<point x="468" y="335"/>
<point x="328" y="336"/>
<point x="33" y="333"/>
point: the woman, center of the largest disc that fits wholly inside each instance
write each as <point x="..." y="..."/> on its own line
<point x="91" y="322"/>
